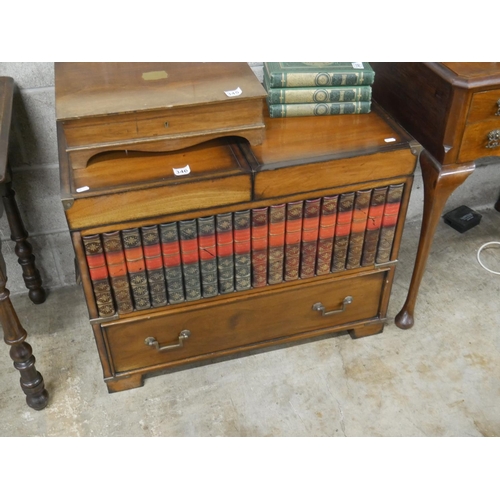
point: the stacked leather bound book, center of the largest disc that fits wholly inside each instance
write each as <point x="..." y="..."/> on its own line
<point x="313" y="89"/>
<point x="187" y="260"/>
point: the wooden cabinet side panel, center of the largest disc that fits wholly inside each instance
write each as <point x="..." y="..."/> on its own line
<point x="418" y="99"/>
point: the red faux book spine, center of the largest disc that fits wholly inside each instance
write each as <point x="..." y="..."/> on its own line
<point x="225" y="251"/>
<point x="172" y="265"/>
<point x="117" y="268"/>
<point x="310" y="233"/>
<point x="260" y="223"/>
<point x="136" y="267"/>
<point x="190" y="258"/>
<point x="342" y="231"/>
<point x="154" y="265"/>
<point x="389" y="223"/>
<point x="208" y="256"/>
<point x="242" y="250"/>
<point x="99" y="275"/>
<point x="327" y="222"/>
<point x="373" y="225"/>
<point x="293" y="235"/>
<point x="358" y="228"/>
<point x="277" y="215"/>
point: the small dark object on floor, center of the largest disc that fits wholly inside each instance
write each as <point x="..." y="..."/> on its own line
<point x="462" y="218"/>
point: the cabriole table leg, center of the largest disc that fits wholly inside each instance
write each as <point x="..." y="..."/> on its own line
<point x="439" y="183"/>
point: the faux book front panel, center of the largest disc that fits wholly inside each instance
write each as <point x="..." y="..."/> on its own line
<point x="193" y="259"/>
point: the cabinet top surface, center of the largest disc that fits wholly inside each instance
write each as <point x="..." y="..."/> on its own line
<point x="469" y="70"/>
<point x="96" y="89"/>
<point x="291" y="140"/>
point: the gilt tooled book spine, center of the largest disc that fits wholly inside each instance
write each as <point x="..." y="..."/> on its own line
<point x="99" y="275"/>
<point x="389" y="222"/>
<point x="276" y="257"/>
<point x="260" y="225"/>
<point x="310" y="233"/>
<point x="293" y="236"/>
<point x="172" y="265"/>
<point x="342" y="231"/>
<point x="358" y="228"/>
<point x="242" y="250"/>
<point x="319" y="109"/>
<point x="136" y="267"/>
<point x="373" y="225"/>
<point x="190" y="259"/>
<point x="225" y="252"/>
<point x="310" y="74"/>
<point x="208" y="256"/>
<point x="299" y="95"/>
<point x="327" y="222"/>
<point x="154" y="265"/>
<point x="117" y="268"/>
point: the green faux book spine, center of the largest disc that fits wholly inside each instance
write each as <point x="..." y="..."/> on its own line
<point x="323" y="109"/>
<point x="326" y="74"/>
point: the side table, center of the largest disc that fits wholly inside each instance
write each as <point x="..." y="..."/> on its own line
<point x="453" y="111"/>
<point x="15" y="335"/>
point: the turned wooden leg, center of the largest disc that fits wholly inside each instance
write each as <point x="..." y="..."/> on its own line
<point x="20" y="351"/>
<point x="439" y="182"/>
<point x="24" y="250"/>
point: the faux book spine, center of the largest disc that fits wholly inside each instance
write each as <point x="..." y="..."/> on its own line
<point x="389" y="222"/>
<point x="242" y="250"/>
<point x="117" y="268"/>
<point x="342" y="231"/>
<point x="190" y="258"/>
<point x="293" y="236"/>
<point x="172" y="264"/>
<point x="310" y="232"/>
<point x="260" y="224"/>
<point x="358" y="228"/>
<point x="99" y="275"/>
<point x="225" y="252"/>
<point x="208" y="256"/>
<point x="277" y="215"/>
<point x="136" y="267"/>
<point x="373" y="225"/>
<point x="154" y="265"/>
<point x="327" y="222"/>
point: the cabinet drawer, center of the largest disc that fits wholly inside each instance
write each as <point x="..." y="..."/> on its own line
<point x="228" y="324"/>
<point x="476" y="141"/>
<point x="163" y="124"/>
<point x="484" y="105"/>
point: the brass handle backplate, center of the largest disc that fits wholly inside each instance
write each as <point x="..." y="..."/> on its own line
<point x="493" y="139"/>
<point x="151" y="341"/>
<point x="321" y="308"/>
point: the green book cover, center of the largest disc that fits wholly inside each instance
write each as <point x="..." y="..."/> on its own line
<point x="318" y="74"/>
<point x="323" y="109"/>
<point x="298" y="95"/>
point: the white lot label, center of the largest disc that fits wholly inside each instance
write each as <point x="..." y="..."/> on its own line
<point x="358" y="65"/>
<point x="182" y="171"/>
<point x="233" y="93"/>
<point x="82" y="189"/>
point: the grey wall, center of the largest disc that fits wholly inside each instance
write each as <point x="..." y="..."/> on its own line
<point x="33" y="157"/>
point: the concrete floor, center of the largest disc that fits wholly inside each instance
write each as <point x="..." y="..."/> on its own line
<point x="441" y="378"/>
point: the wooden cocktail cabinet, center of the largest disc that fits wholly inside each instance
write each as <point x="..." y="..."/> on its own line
<point x="226" y="241"/>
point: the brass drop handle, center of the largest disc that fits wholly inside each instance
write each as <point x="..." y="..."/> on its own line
<point x="320" y="307"/>
<point x="493" y="138"/>
<point x="498" y="110"/>
<point x="151" y="341"/>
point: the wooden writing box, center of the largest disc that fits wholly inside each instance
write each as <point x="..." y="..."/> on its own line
<point x="154" y="106"/>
